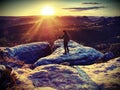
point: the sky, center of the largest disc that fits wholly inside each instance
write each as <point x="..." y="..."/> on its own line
<point x="61" y="7"/>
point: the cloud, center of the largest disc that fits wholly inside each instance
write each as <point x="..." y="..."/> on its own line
<point x="91" y="3"/>
<point x="84" y="8"/>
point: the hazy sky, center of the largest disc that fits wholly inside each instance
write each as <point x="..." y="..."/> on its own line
<point x="62" y="7"/>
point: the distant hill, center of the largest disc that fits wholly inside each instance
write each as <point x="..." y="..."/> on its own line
<point x="86" y="29"/>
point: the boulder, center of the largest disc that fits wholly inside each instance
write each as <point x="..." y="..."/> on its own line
<point x="78" y="55"/>
<point x="29" y="53"/>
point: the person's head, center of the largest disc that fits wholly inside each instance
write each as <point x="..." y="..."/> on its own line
<point x="64" y="31"/>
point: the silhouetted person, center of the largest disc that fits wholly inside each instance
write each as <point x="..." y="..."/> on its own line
<point x="66" y="40"/>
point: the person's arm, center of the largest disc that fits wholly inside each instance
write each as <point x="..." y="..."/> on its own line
<point x="61" y="37"/>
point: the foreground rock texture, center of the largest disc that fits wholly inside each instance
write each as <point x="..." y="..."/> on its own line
<point x="100" y="76"/>
<point x="78" y="55"/>
<point x="31" y="52"/>
<point x="58" y="77"/>
<point x="106" y="75"/>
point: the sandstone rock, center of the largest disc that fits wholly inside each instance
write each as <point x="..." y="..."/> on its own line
<point x="78" y="55"/>
<point x="29" y="53"/>
<point x="61" y="77"/>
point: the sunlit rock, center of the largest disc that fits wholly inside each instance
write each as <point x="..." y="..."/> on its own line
<point x="106" y="75"/>
<point x="61" y="77"/>
<point x="78" y="55"/>
<point x="59" y="43"/>
<point x="29" y="53"/>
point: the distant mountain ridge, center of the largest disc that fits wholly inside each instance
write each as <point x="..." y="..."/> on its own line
<point x="86" y="29"/>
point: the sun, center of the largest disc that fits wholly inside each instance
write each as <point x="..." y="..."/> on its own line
<point x="47" y="11"/>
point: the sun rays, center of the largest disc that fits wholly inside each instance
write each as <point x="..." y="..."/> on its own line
<point x="43" y="29"/>
<point x="46" y="27"/>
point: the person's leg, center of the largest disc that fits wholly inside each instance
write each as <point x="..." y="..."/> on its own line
<point x="65" y="48"/>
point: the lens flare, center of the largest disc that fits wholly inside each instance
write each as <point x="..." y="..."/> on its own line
<point x="47" y="11"/>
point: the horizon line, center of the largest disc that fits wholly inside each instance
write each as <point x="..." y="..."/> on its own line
<point x="55" y="16"/>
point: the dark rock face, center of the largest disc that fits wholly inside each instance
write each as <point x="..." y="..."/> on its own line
<point x="29" y="53"/>
<point x="7" y="78"/>
<point x="78" y="55"/>
<point x="107" y="56"/>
